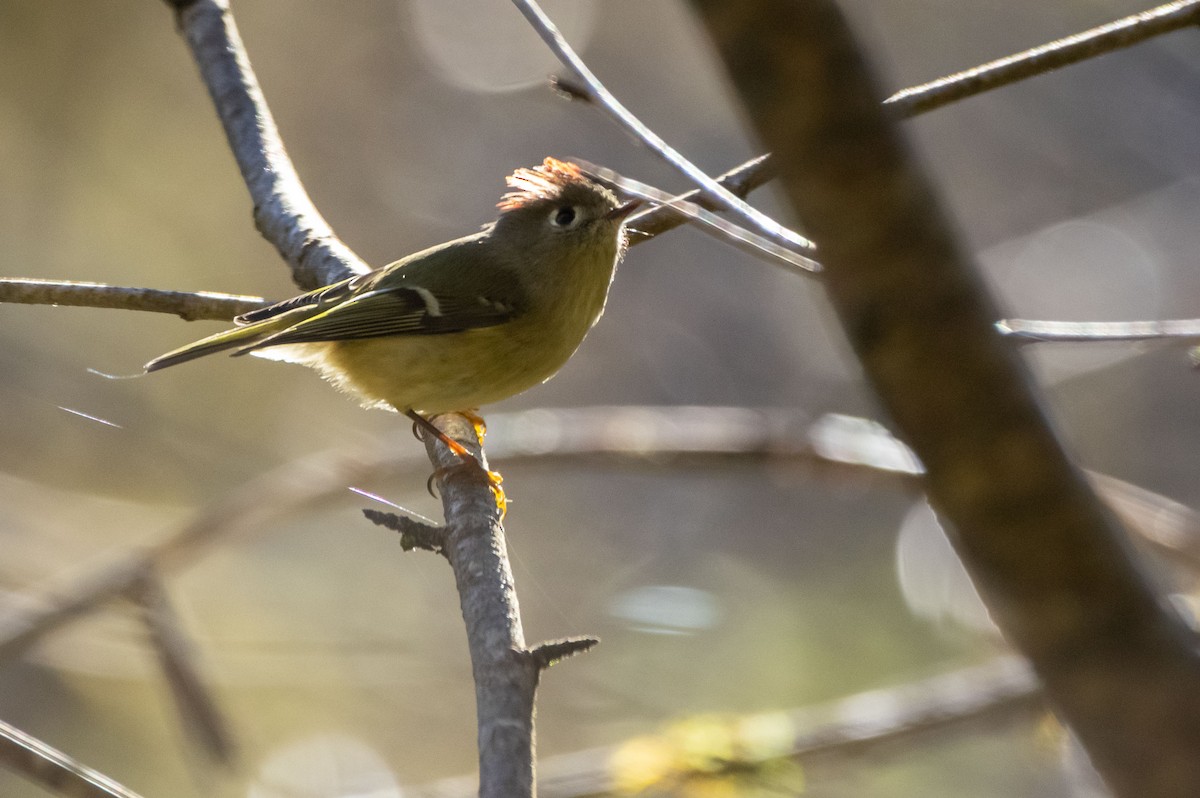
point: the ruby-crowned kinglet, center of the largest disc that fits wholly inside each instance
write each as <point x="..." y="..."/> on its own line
<point x="461" y="324"/>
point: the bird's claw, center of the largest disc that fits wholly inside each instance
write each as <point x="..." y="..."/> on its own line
<point x="493" y="479"/>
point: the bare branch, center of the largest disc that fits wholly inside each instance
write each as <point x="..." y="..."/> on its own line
<point x="553" y="651"/>
<point x="1051" y="561"/>
<point x="291" y="487"/>
<point x="413" y="533"/>
<point x="506" y="675"/>
<point x="1025" y="331"/>
<point x="283" y="212"/>
<point x="199" y="712"/>
<point x="740" y="181"/>
<point x="601" y="96"/>
<point x="53" y="769"/>
<point x="188" y="306"/>
<point x="1039" y="60"/>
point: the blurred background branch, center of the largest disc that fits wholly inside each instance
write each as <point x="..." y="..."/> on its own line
<point x="1035" y="61"/>
<point x="1028" y="528"/>
<point x="53" y="769"/>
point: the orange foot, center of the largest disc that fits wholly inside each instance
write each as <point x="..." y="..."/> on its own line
<point x="477" y="422"/>
<point x="468" y="460"/>
<point x="493" y="478"/>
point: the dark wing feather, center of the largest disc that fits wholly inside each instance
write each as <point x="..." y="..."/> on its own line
<point x="398" y="310"/>
<point x="321" y="296"/>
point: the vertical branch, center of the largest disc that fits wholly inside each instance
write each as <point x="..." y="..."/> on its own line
<point x="506" y="676"/>
<point x="1050" y="560"/>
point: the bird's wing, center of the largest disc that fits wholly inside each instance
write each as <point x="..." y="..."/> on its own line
<point x="396" y="310"/>
<point x="310" y="302"/>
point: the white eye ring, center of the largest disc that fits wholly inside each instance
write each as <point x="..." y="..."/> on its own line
<point x="565" y="217"/>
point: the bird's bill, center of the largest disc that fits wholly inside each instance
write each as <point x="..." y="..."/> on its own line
<point x="622" y="211"/>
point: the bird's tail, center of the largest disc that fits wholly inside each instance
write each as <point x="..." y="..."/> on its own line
<point x="236" y="338"/>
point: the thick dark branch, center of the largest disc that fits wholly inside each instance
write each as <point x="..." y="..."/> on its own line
<point x="1039" y="60"/>
<point x="283" y="212"/>
<point x="188" y="306"/>
<point x="1051" y="562"/>
<point x="53" y="769"/>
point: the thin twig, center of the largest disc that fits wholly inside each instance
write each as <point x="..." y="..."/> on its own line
<point x="600" y="95"/>
<point x="1039" y="60"/>
<point x="740" y="181"/>
<point x="53" y="769"/>
<point x="890" y="718"/>
<point x="283" y="211"/>
<point x="188" y="306"/>
<point x="1051" y="561"/>
<point x="1026" y="331"/>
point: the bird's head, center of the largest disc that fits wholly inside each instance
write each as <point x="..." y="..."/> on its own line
<point x="554" y="207"/>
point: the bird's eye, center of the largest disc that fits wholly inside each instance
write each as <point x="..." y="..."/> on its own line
<point x="564" y="216"/>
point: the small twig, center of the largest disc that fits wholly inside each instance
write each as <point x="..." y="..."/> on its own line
<point x="53" y="769"/>
<point x="599" y="94"/>
<point x="1039" y="60"/>
<point x="1026" y="331"/>
<point x="413" y="533"/>
<point x="740" y="181"/>
<point x="548" y="653"/>
<point x="188" y="306"/>
<point x="199" y="713"/>
<point x="283" y="211"/>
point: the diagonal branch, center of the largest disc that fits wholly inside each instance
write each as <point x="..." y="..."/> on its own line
<point x="201" y="716"/>
<point x="1052" y="563"/>
<point x="1106" y="38"/>
<point x="53" y="769"/>
<point x="283" y="212"/>
<point x="599" y="94"/>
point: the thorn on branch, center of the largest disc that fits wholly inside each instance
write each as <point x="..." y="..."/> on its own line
<point x="550" y="652"/>
<point x="413" y="533"/>
<point x="569" y="89"/>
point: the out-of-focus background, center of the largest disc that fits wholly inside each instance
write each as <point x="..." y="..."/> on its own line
<point x="737" y="588"/>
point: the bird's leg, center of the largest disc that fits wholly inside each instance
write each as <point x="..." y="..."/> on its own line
<point x="468" y="460"/>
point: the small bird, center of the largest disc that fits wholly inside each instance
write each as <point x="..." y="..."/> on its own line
<point x="461" y="324"/>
